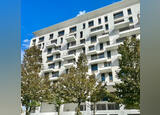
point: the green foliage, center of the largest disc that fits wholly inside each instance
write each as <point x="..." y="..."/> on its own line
<point x="77" y="84"/>
<point x="128" y="92"/>
<point x="33" y="87"/>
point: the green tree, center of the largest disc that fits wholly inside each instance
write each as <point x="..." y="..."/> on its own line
<point x="33" y="87"/>
<point x="77" y="84"/>
<point x="57" y="95"/>
<point x="128" y="91"/>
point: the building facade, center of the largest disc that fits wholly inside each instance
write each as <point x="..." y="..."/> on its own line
<point x="97" y="34"/>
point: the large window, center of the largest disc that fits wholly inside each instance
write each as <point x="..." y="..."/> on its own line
<point x="109" y="54"/>
<point x="91" y="23"/>
<point x="106" y="19"/>
<point x="41" y="39"/>
<point x="101" y="106"/>
<point x="54" y="41"/>
<point x="94" y="67"/>
<point x="51" y="36"/>
<point x="130" y="19"/>
<point x="101" y="55"/>
<point x="110" y="76"/>
<point x="120" y="40"/>
<point x="91" y="48"/>
<point x="107" y="64"/>
<point x="84" y="25"/>
<point x="57" y="55"/>
<point x="49" y="50"/>
<point x="81" y="34"/>
<point x="93" y="57"/>
<point x="73" y="29"/>
<point x="51" y="66"/>
<point x="82" y="41"/>
<point x="50" y="58"/>
<point x="106" y="26"/>
<point x="129" y="11"/>
<point x="103" y="77"/>
<point x="99" y="21"/>
<point x="73" y="43"/>
<point x="96" y="28"/>
<point x="61" y="33"/>
<point x="113" y="107"/>
<point x="118" y="15"/>
<point x="71" y="52"/>
<point x="101" y="46"/>
<point x="93" y="39"/>
<point x="55" y="74"/>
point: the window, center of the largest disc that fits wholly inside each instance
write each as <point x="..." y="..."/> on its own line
<point x="66" y="71"/>
<point x="91" y="48"/>
<point x="82" y="41"/>
<point x="34" y="42"/>
<point x="106" y="26"/>
<point x="73" y="29"/>
<point x="129" y="11"/>
<point x="60" y="33"/>
<point x="81" y="34"/>
<point x="109" y="54"/>
<point x="101" y="55"/>
<point x="101" y="46"/>
<point x="130" y="19"/>
<point x="83" y="50"/>
<point x="71" y="61"/>
<point x="110" y="76"/>
<point x="51" y="36"/>
<point x="134" y="36"/>
<point x="99" y="21"/>
<point x="59" y="64"/>
<point x="93" y="57"/>
<point x="39" y="46"/>
<point x="57" y="55"/>
<point x="113" y="107"/>
<point x="51" y="66"/>
<point x="55" y="74"/>
<point x="84" y="25"/>
<point x="94" y="67"/>
<point x="73" y="43"/>
<point x="61" y="40"/>
<point x="91" y="23"/>
<point x="102" y="77"/>
<point x="93" y="39"/>
<point x="106" y="19"/>
<point x="101" y="106"/>
<point x="82" y="107"/>
<point x="106" y="64"/>
<point x="46" y="74"/>
<point x="72" y="52"/>
<point x="120" y="40"/>
<point x="50" y="58"/>
<point x="58" y="48"/>
<point x="108" y="42"/>
<point x="118" y="15"/>
<point x="67" y="45"/>
<point x="41" y="39"/>
<point x="49" y="50"/>
<point x="54" y="41"/>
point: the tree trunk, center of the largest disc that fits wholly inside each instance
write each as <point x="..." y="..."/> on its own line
<point x="58" y="110"/>
<point x="94" y="108"/>
<point x="78" y="108"/>
<point x="28" y="110"/>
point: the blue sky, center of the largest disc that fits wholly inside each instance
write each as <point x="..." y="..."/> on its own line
<point x="37" y="14"/>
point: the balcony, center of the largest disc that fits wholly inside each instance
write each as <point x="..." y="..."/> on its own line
<point x="49" y="45"/>
<point x="68" y="65"/>
<point x="57" y="60"/>
<point x="105" y="69"/>
<point x="99" y="60"/>
<point x="76" y="46"/>
<point x="90" y="52"/>
<point x="96" y="30"/>
<point x="113" y="47"/>
<point x="121" y="23"/>
<point x="103" y="38"/>
<point x="130" y="32"/>
<point x="70" y="38"/>
<point x="56" y="52"/>
<point x="69" y="56"/>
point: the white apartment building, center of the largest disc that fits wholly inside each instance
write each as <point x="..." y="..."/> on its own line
<point x="97" y="34"/>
